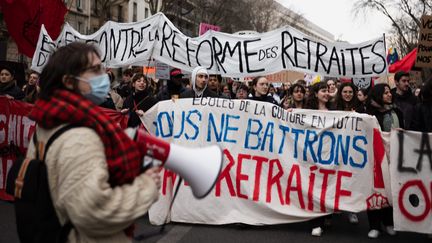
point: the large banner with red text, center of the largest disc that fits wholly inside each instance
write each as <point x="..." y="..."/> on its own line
<point x="279" y="166"/>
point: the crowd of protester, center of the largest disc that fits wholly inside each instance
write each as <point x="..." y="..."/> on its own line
<point x="134" y="93"/>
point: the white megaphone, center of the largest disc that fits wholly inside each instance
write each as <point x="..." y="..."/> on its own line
<point x="199" y="167"/>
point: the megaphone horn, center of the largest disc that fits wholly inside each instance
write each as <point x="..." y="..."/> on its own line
<point x="199" y="167"/>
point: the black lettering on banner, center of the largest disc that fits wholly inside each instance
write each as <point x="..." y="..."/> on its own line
<point x="217" y="53"/>
<point x="383" y="59"/>
<point x="231" y="52"/>
<point x="297" y="51"/>
<point x="104" y="40"/>
<point x="174" y="45"/>
<point x="334" y="57"/>
<point x="134" y="42"/>
<point x="142" y="29"/>
<point x="67" y="35"/>
<point x="351" y="50"/>
<point x="362" y="57"/>
<point x="126" y="31"/>
<point x="165" y="38"/>
<point x="188" y="50"/>
<point x="198" y="51"/>
<point x="343" y="62"/>
<point x="45" y="41"/>
<point x="308" y="52"/>
<point x="113" y="44"/>
<point x="401" y="167"/>
<point x="425" y="149"/>
<point x="42" y="58"/>
<point x="92" y="42"/>
<point x="285" y="47"/>
<point x="248" y="54"/>
<point x="318" y="57"/>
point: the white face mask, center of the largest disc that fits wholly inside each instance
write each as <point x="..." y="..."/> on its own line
<point x="100" y="86"/>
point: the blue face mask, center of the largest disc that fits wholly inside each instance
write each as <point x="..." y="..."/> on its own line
<point x="100" y="86"/>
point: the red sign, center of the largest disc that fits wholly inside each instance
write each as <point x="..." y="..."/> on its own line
<point x="203" y="27"/>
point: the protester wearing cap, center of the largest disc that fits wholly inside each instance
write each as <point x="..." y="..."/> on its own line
<point x="8" y="84"/>
<point x="199" y="81"/>
<point x="174" y="86"/>
<point x="403" y="98"/>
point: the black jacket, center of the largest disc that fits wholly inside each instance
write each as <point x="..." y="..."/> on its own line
<point x="143" y="100"/>
<point x="422" y="118"/>
<point x="406" y="104"/>
<point x="379" y="112"/>
<point x="13" y="91"/>
<point x="265" y="98"/>
<point x="190" y="93"/>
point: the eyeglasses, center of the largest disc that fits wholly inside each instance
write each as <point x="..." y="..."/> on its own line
<point x="202" y="76"/>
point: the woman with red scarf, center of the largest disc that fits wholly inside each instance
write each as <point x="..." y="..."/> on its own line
<point x="94" y="170"/>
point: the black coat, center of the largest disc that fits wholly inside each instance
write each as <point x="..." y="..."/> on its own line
<point x="422" y="118"/>
<point x="190" y="93"/>
<point x="406" y="104"/>
<point x="379" y="113"/>
<point x="265" y="98"/>
<point x="13" y="91"/>
<point x="143" y="101"/>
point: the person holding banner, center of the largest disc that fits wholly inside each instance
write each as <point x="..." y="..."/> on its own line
<point x="260" y="90"/>
<point x="8" y="84"/>
<point x="199" y="81"/>
<point x="139" y="101"/>
<point x="346" y="99"/>
<point x="94" y="170"/>
<point x="242" y="92"/>
<point x="296" y="97"/>
<point x="319" y="100"/>
<point x="389" y="117"/>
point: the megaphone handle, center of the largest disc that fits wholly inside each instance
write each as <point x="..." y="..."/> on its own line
<point x="171" y="204"/>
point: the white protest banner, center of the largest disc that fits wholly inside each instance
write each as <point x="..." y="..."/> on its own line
<point x="411" y="180"/>
<point x="230" y="55"/>
<point x="279" y="166"/>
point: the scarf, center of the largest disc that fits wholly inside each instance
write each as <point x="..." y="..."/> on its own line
<point x="6" y="86"/>
<point x="122" y="154"/>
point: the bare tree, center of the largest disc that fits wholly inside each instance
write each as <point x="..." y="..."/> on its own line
<point x="404" y="15"/>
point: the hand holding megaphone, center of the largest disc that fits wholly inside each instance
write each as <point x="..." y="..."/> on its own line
<point x="199" y="167"/>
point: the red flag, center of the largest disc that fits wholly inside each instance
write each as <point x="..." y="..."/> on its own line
<point x="24" y="19"/>
<point x="404" y="64"/>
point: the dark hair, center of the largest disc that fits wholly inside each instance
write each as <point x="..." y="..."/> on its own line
<point x="301" y="82"/>
<point x="77" y="56"/>
<point x="312" y="100"/>
<point x="138" y="76"/>
<point x="34" y="72"/>
<point x="400" y="74"/>
<point x="297" y="85"/>
<point x="219" y="77"/>
<point x="255" y="80"/>
<point x="341" y="104"/>
<point x="376" y="93"/>
<point x="243" y="87"/>
<point x="128" y="72"/>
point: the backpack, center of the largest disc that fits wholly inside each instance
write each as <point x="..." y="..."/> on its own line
<point x="27" y="181"/>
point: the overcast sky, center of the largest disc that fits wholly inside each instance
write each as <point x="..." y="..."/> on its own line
<point x="336" y="17"/>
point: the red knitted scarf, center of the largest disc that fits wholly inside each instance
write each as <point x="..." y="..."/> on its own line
<point x="123" y="157"/>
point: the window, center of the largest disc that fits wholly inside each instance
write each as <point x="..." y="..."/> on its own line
<point x="94" y="7"/>
<point x="120" y="13"/>
<point x="79" y="5"/>
<point x="146" y="13"/>
<point x="135" y="10"/>
<point x="80" y="27"/>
